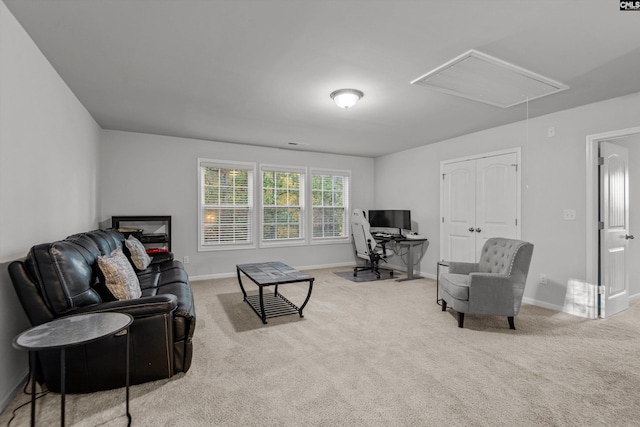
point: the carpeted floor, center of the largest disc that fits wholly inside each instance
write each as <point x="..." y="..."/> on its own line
<point x="379" y="353"/>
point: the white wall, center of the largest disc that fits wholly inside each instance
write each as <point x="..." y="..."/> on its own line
<point x="48" y="173"/>
<point x="553" y="179"/>
<point x="145" y="174"/>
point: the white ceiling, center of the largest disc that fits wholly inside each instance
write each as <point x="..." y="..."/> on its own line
<point x="260" y="72"/>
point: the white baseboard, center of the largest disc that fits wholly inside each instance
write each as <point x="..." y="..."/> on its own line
<point x="13" y="392"/>
<point x="542" y="304"/>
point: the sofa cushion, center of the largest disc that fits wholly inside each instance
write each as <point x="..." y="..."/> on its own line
<point x="138" y="253"/>
<point x="119" y="276"/>
<point x="65" y="275"/>
<point x="456" y="285"/>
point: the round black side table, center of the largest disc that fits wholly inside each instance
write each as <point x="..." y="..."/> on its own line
<point x="68" y="332"/>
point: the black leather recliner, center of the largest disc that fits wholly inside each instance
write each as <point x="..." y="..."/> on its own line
<point x="62" y="278"/>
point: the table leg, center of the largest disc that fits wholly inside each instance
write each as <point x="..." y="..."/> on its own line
<point x="32" y="361"/>
<point x="127" y="374"/>
<point x="241" y="287"/>
<point x="308" y="296"/>
<point x="410" y="262"/>
<point x="438" y="283"/>
<point x="410" y="275"/>
<point x="262" y="313"/>
<point x="63" y="375"/>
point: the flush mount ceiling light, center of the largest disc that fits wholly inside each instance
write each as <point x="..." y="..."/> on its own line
<point x="480" y="77"/>
<point x="346" y="98"/>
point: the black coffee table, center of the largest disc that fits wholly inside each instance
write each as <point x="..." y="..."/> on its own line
<point x="268" y="274"/>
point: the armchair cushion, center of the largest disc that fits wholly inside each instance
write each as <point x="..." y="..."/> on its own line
<point x="456" y="285"/>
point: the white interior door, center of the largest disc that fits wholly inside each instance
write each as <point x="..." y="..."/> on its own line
<point x="496" y="198"/>
<point x="479" y="200"/>
<point x="458" y="211"/>
<point x="614" y="235"/>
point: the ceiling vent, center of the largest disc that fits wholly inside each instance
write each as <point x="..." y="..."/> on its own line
<point x="480" y="77"/>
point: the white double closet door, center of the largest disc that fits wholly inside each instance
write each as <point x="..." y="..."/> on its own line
<point x="480" y="199"/>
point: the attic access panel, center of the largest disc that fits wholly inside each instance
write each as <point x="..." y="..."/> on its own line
<point x="480" y="77"/>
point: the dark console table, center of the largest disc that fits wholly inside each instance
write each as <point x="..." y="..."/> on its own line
<point x="153" y="222"/>
<point x="267" y="274"/>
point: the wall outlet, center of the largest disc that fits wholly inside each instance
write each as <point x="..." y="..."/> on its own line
<point x="551" y="132"/>
<point x="569" y="215"/>
<point x="185" y="260"/>
<point x="543" y="279"/>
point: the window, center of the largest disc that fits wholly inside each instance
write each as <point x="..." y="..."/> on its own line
<point x="282" y="204"/>
<point x="226" y="214"/>
<point x="330" y="204"/>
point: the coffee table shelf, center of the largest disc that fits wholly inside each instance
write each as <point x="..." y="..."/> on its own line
<point x="274" y="305"/>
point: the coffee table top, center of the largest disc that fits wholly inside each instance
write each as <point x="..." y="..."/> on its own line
<point x="272" y="273"/>
<point x="72" y="330"/>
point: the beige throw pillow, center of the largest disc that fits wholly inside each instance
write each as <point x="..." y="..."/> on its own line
<point x="138" y="252"/>
<point x="119" y="276"/>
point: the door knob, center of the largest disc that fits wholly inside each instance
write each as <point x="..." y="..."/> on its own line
<point x="629" y="236"/>
<point x="471" y="229"/>
<point x="478" y="230"/>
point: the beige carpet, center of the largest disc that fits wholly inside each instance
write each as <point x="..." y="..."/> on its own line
<point x="380" y="354"/>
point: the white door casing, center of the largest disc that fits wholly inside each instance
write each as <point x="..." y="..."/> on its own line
<point x="480" y="198"/>
<point x="614" y="235"/>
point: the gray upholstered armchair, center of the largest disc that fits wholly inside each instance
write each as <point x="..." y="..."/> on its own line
<point x="494" y="285"/>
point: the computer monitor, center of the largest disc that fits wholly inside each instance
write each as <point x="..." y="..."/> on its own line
<point x="400" y="219"/>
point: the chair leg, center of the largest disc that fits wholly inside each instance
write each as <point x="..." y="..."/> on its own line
<point x="511" y="325"/>
<point x="460" y="320"/>
<point x="444" y="305"/>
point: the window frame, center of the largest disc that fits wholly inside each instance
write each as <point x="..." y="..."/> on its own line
<point x="347" y="200"/>
<point x="226" y="164"/>
<point x="296" y="241"/>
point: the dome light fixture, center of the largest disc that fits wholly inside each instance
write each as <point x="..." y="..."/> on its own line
<point x="346" y="98"/>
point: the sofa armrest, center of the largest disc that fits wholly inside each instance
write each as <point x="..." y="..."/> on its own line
<point x="140" y="307"/>
<point x="494" y="293"/>
<point x="160" y="257"/>
<point x="463" y="267"/>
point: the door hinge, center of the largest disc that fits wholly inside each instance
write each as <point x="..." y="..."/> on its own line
<point x="443" y="220"/>
<point x="600" y="161"/>
<point x="600" y="225"/>
<point x="443" y="176"/>
<point x="516" y="221"/>
<point x="600" y="290"/>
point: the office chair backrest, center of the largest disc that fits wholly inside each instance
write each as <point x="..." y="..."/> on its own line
<point x="361" y="233"/>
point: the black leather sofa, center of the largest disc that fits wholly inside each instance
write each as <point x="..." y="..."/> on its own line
<point x="62" y="278"/>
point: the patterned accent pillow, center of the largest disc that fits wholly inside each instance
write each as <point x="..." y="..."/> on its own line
<point x="138" y="253"/>
<point x="119" y="276"/>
